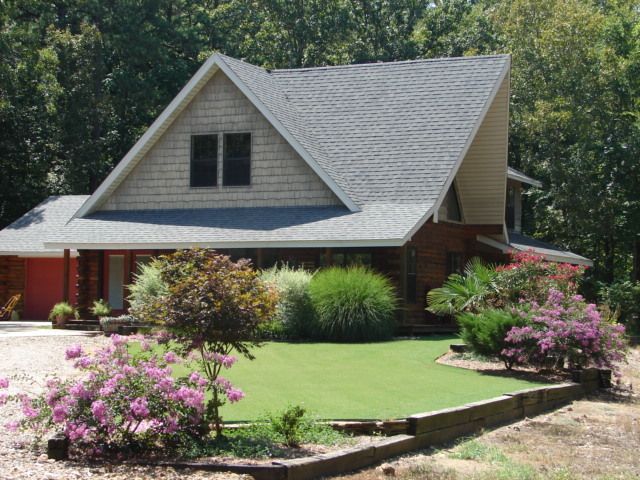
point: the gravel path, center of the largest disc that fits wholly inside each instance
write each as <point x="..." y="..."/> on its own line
<point x="27" y="362"/>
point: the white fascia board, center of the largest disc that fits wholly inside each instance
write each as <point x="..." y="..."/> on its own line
<point x="433" y="211"/>
<point x="271" y="118"/>
<point x="552" y="257"/>
<point x="517" y="176"/>
<point x="503" y="247"/>
<point x="393" y="242"/>
<point x="151" y="135"/>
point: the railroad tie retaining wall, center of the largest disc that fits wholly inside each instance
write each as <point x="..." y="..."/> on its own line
<point x="422" y="430"/>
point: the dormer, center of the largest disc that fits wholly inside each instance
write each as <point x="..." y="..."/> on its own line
<point x="516" y="182"/>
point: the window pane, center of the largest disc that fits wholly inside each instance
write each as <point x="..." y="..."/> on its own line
<point x="116" y="281"/>
<point x="236" y="167"/>
<point x="204" y="160"/>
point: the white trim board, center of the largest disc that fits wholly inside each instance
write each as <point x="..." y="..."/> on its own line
<point x="214" y="63"/>
<point x="392" y="242"/>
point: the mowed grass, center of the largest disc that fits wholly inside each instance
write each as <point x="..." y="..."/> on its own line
<point x="357" y="381"/>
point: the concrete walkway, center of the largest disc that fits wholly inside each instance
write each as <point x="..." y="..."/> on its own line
<point x="38" y="329"/>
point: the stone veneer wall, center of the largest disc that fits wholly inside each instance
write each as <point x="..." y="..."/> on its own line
<point x="279" y="176"/>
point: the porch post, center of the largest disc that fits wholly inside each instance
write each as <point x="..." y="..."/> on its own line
<point x="65" y="273"/>
<point x="328" y="257"/>
<point x="259" y="257"/>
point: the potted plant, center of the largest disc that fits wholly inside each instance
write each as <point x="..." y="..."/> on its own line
<point x="60" y="313"/>
<point x="101" y="308"/>
<point x="111" y="325"/>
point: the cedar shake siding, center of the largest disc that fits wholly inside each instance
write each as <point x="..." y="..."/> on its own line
<point x="279" y="176"/>
<point x="12" y="279"/>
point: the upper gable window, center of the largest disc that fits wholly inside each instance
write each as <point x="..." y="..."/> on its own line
<point x="236" y="163"/>
<point x="452" y="205"/>
<point x="204" y="160"/>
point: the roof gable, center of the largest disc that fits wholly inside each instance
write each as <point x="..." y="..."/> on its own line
<point x="214" y="64"/>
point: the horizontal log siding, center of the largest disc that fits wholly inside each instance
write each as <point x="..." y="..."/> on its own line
<point x="433" y="242"/>
<point x="12" y="279"/>
<point x="279" y="176"/>
<point x="481" y="179"/>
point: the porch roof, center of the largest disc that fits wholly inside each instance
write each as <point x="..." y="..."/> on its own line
<point x="522" y="243"/>
<point x="25" y="236"/>
<point x="374" y="225"/>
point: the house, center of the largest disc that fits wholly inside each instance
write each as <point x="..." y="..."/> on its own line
<point x="401" y="166"/>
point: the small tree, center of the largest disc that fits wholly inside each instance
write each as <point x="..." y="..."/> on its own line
<point x="212" y="306"/>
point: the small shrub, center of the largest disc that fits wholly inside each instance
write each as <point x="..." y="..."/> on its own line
<point x="147" y="287"/>
<point x="485" y="332"/>
<point x="61" y="312"/>
<point x="352" y="304"/>
<point x="294" y="313"/>
<point x="101" y="308"/>
<point x="623" y="298"/>
<point x="212" y="306"/>
<point x="289" y="424"/>
<point x="113" y="324"/>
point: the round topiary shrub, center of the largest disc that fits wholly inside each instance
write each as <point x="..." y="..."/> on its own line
<point x="352" y="304"/>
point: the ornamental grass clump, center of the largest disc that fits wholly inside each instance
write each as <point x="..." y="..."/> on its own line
<point x="294" y="313"/>
<point x="352" y="304"/>
<point x="120" y="404"/>
<point x="212" y="306"/>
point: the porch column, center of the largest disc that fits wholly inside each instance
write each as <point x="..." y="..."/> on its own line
<point x="259" y="258"/>
<point x="65" y="273"/>
<point x="328" y="257"/>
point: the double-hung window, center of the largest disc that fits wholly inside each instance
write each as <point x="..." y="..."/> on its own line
<point x="204" y="161"/>
<point x="236" y="160"/>
<point x="236" y="163"/>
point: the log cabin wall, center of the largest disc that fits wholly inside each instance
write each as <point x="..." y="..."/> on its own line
<point x="12" y="279"/>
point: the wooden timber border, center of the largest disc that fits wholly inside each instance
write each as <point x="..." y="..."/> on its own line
<point x="418" y="431"/>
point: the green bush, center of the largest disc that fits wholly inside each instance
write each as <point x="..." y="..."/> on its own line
<point x="294" y="313"/>
<point x="352" y="304"/>
<point x="147" y="286"/>
<point x="623" y="298"/>
<point x="485" y="332"/>
<point x="61" y="312"/>
<point x="289" y="425"/>
<point x="101" y="308"/>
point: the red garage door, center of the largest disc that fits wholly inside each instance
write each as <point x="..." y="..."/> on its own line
<point x="43" y="286"/>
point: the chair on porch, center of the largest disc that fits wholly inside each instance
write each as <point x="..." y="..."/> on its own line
<point x="7" y="310"/>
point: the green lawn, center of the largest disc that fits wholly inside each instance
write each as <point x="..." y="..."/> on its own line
<point x="358" y="381"/>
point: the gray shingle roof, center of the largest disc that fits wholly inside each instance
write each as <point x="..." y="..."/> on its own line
<point x="27" y="234"/>
<point x="391" y="131"/>
<point x="550" y="251"/>
<point x="376" y="224"/>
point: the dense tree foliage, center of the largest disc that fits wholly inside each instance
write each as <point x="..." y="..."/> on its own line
<point x="81" y="80"/>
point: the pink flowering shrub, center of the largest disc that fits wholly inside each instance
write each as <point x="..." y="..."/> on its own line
<point x="122" y="403"/>
<point x="565" y="329"/>
<point x="530" y="277"/>
<point x="212" y="306"/>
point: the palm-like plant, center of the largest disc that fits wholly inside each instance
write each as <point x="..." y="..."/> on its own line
<point x="467" y="292"/>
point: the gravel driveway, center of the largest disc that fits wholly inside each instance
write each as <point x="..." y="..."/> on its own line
<point x="27" y="362"/>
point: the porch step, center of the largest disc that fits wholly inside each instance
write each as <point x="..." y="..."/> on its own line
<point x="89" y="325"/>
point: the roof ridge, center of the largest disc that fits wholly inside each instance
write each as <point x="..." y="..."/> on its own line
<point x="380" y="64"/>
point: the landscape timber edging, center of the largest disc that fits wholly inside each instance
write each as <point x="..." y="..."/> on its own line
<point x="422" y="430"/>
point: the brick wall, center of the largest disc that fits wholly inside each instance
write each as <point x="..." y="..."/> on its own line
<point x="12" y="279"/>
<point x="279" y="176"/>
